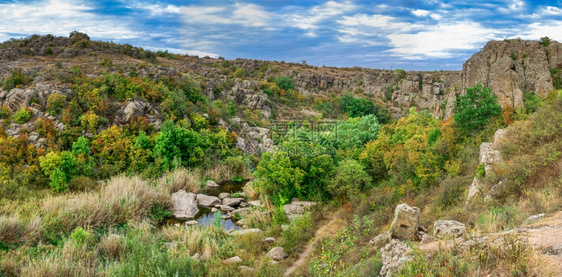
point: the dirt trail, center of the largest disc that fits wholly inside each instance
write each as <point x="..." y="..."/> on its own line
<point x="326" y="230"/>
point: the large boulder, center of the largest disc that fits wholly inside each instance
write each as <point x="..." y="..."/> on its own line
<point x="406" y="223"/>
<point x="277" y="253"/>
<point x="184" y="205"/>
<point x="394" y="256"/>
<point x="232" y="260"/>
<point x="448" y="229"/>
<point x="207" y="201"/>
<point x="233" y="202"/>
<point x="292" y="210"/>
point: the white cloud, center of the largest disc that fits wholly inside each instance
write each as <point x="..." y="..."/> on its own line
<point x="435" y="16"/>
<point x="440" y="41"/>
<point x="378" y="23"/>
<point x="59" y="17"/>
<point x="551" y="29"/>
<point x="512" y="5"/>
<point x="420" y="13"/>
<point x="248" y="15"/>
<point x="159" y="10"/>
<point x="311" y="19"/>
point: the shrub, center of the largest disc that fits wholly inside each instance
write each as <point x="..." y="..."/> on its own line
<point x="480" y="171"/>
<point x="350" y="180"/>
<point x="532" y="102"/>
<point x="4" y="112"/>
<point x="240" y="73"/>
<point x="299" y="230"/>
<point x="80" y="236"/>
<point x="82" y="183"/>
<point x="475" y="109"/>
<point x="284" y="82"/>
<point x="22" y="115"/>
<point x="356" y="107"/>
<point x="278" y="178"/>
<point x="55" y="103"/>
<point x="18" y="78"/>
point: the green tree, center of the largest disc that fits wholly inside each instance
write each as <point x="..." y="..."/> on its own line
<point x="350" y="179"/>
<point x="284" y="82"/>
<point x="356" y="107"/>
<point x="475" y="109"/>
<point x="277" y="177"/>
<point x="174" y="142"/>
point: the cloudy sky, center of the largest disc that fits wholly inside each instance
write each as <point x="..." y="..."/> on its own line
<point x="408" y="34"/>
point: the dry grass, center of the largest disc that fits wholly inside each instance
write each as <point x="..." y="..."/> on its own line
<point x="121" y="200"/>
<point x="14" y="230"/>
<point x="111" y="247"/>
<point x="186" y="179"/>
<point x="207" y="241"/>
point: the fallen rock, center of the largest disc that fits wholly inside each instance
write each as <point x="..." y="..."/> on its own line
<point x="308" y="205"/>
<point x="225" y="208"/>
<point x="240" y="211"/>
<point x="224" y="195"/>
<point x="292" y="210"/>
<point x="243" y="205"/>
<point x="212" y="184"/>
<point x="535" y="217"/>
<point x="246" y="269"/>
<point x="406" y="222"/>
<point x="184" y="205"/>
<point x="277" y="253"/>
<point x="255" y="203"/>
<point x="448" y="229"/>
<point x="246" y="231"/>
<point x="207" y="201"/>
<point x="269" y="240"/>
<point x="191" y="223"/>
<point x="380" y="240"/>
<point x="394" y="256"/>
<point x="232" y="260"/>
<point x="232" y="202"/>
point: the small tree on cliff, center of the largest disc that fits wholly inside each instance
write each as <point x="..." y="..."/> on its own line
<point x="475" y="109"/>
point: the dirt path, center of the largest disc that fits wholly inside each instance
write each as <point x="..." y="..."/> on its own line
<point x="333" y="223"/>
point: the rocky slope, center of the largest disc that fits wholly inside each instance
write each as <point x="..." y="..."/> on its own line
<point x="509" y="67"/>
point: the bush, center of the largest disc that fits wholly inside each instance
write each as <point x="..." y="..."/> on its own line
<point x="55" y="103"/>
<point x="82" y="183"/>
<point x="284" y="83"/>
<point x="299" y="230"/>
<point x="480" y="171"/>
<point x="356" y="107"/>
<point x="350" y="180"/>
<point x="18" y="78"/>
<point x="532" y="102"/>
<point x="4" y="112"/>
<point x="240" y="73"/>
<point x="22" y="115"/>
<point x="475" y="109"/>
<point x="80" y="236"/>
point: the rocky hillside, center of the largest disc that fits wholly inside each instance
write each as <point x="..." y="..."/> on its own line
<point x="509" y="67"/>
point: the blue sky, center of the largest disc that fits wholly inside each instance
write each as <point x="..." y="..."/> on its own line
<point x="408" y="34"/>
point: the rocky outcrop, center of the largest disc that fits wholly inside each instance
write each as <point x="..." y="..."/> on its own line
<point x="277" y="253"/>
<point x="406" y="223"/>
<point x="511" y="67"/>
<point x="184" y="205"/>
<point x="489" y="156"/>
<point x="448" y="229"/>
<point x="252" y="140"/>
<point x="394" y="256"/>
